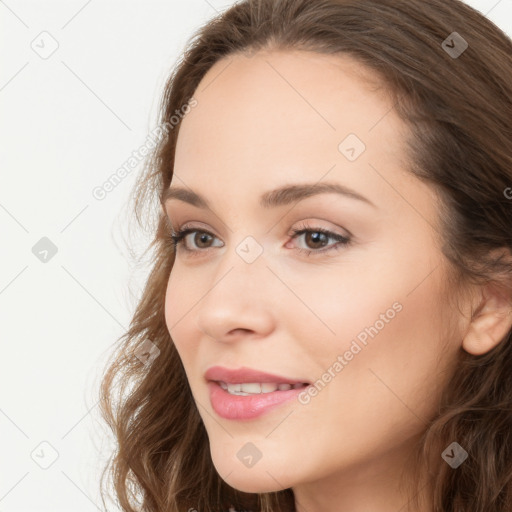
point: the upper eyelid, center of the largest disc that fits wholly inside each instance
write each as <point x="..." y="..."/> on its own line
<point x="187" y="227"/>
<point x="308" y="224"/>
<point x="293" y="233"/>
<point x="335" y="230"/>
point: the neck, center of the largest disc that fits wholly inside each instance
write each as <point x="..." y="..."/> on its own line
<point x="369" y="485"/>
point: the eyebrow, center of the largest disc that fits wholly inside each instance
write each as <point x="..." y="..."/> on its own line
<point x="279" y="197"/>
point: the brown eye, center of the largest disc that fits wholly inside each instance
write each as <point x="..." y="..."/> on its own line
<point x="200" y="238"/>
<point x="316" y="239"/>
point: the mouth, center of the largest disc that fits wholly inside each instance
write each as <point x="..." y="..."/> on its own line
<point x="249" y="400"/>
<point x="246" y="393"/>
<point x="257" y="388"/>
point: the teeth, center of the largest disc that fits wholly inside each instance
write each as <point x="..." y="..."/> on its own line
<point x="267" y="387"/>
<point x="254" y="388"/>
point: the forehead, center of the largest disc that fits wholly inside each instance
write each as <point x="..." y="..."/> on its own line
<point x="300" y="96"/>
<point x="281" y="116"/>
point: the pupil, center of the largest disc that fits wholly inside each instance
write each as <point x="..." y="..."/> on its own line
<point x="316" y="236"/>
<point x="202" y="237"/>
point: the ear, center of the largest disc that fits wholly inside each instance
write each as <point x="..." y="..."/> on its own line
<point x="490" y="323"/>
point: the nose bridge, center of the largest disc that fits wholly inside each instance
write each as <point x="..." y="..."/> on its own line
<point x="242" y="268"/>
<point x="244" y="255"/>
<point x="238" y="296"/>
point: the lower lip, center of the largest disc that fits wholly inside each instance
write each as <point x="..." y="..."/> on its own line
<point x="240" y="407"/>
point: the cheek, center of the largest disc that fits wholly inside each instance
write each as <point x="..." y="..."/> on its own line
<point x="180" y="298"/>
<point x="387" y="324"/>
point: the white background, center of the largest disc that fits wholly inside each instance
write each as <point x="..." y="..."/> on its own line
<point x="68" y="122"/>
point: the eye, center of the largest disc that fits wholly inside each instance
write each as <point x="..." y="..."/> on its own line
<point x="180" y="237"/>
<point x="318" y="238"/>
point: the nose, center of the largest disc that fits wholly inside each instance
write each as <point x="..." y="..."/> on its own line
<point x="237" y="302"/>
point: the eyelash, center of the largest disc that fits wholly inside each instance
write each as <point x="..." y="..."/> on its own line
<point x="178" y="238"/>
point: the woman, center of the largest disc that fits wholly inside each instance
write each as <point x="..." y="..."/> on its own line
<point x="327" y="323"/>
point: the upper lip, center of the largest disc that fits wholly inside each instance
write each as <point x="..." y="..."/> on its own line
<point x="245" y="375"/>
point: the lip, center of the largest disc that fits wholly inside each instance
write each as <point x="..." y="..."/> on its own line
<point x="244" y="375"/>
<point x="239" y="407"/>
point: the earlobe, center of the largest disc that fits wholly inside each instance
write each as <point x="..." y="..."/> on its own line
<point x="490" y="324"/>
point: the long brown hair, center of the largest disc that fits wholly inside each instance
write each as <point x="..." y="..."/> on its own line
<point x="459" y="111"/>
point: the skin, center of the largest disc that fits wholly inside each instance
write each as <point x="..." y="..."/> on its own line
<point x="273" y="119"/>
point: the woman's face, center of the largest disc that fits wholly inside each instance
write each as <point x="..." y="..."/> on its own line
<point x="365" y="323"/>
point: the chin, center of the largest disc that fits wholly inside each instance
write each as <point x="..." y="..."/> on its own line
<point x="253" y="484"/>
<point x="254" y="480"/>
